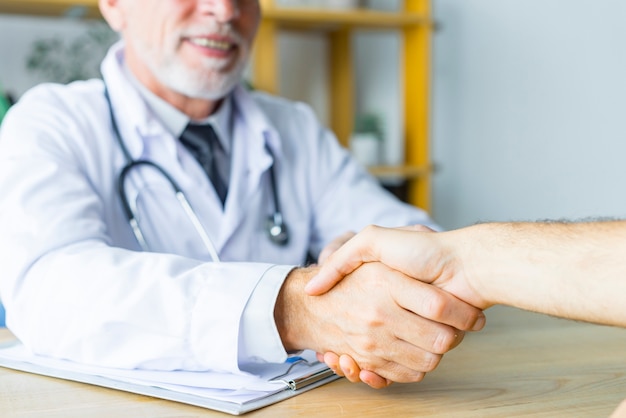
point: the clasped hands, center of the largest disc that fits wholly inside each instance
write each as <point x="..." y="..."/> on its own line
<point x="422" y="306"/>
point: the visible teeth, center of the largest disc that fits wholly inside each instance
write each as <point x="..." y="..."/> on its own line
<point x="211" y="43"/>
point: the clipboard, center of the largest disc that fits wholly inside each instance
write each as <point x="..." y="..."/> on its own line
<point x="296" y="377"/>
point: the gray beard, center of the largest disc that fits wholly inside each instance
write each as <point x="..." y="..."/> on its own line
<point x="180" y="79"/>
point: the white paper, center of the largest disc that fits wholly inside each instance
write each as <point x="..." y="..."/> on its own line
<point x="234" y="388"/>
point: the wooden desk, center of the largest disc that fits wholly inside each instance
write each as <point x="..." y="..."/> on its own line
<point x="522" y="364"/>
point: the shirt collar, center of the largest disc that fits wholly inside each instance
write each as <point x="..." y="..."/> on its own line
<point x="175" y="121"/>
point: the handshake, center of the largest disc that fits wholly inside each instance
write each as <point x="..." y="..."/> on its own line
<point x="385" y="306"/>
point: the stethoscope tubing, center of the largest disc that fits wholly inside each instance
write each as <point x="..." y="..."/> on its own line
<point x="180" y="196"/>
<point x="277" y="229"/>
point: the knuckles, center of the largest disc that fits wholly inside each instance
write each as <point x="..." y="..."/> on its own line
<point x="436" y="307"/>
<point x="446" y="339"/>
<point x="411" y="378"/>
<point x="430" y="362"/>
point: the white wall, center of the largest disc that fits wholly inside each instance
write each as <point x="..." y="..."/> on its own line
<point x="17" y="33"/>
<point x="303" y="66"/>
<point x="529" y="110"/>
<point x="529" y="103"/>
<point x="378" y="90"/>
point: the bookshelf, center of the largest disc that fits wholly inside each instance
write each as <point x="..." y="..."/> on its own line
<point x="414" y="22"/>
<point x="53" y="8"/>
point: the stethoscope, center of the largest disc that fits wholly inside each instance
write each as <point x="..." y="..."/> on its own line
<point x="276" y="227"/>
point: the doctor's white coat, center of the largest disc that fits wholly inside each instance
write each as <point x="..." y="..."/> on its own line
<point x="72" y="277"/>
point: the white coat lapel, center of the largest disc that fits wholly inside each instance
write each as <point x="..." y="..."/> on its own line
<point x="252" y="133"/>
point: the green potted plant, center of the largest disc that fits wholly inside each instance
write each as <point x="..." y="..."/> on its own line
<point x="60" y="60"/>
<point x="367" y="138"/>
<point x="5" y="103"/>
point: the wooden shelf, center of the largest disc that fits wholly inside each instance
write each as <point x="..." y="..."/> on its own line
<point x="57" y="8"/>
<point x="413" y="22"/>
<point x="406" y="172"/>
<point x="415" y="25"/>
<point x="307" y="18"/>
<point x="288" y="17"/>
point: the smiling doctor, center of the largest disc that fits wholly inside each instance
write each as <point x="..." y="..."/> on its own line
<point x="117" y="249"/>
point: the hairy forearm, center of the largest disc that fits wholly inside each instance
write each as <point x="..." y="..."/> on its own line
<point x="290" y="309"/>
<point x="576" y="270"/>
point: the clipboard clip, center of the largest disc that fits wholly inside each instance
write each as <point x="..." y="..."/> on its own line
<point x="302" y="381"/>
<point x="307" y="380"/>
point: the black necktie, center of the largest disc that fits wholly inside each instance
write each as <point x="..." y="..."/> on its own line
<point x="202" y="141"/>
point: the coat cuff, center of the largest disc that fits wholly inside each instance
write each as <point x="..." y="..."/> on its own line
<point x="259" y="338"/>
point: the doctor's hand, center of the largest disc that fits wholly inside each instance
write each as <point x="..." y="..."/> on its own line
<point x="390" y="324"/>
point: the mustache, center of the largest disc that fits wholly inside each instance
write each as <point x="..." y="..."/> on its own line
<point x="222" y="30"/>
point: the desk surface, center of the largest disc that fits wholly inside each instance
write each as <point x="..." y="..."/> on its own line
<point x="522" y="364"/>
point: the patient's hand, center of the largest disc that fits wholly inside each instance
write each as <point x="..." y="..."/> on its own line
<point x="334" y="245"/>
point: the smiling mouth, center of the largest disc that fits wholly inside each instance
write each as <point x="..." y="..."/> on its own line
<point x="212" y="44"/>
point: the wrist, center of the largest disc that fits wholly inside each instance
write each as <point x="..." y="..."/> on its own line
<point x="502" y="256"/>
<point x="291" y="311"/>
<point x="474" y="250"/>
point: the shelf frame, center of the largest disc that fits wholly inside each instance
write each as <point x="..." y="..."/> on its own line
<point x="308" y="18"/>
<point x="52" y="8"/>
<point x="415" y="24"/>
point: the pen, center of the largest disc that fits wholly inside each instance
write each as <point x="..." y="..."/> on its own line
<point x="304" y="381"/>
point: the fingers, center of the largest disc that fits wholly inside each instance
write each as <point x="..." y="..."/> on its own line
<point x="377" y="376"/>
<point x="438" y="305"/>
<point x="334" y="246"/>
<point x="332" y="361"/>
<point x="381" y="324"/>
<point x="346" y="366"/>
<point x="404" y="354"/>
<point x="395" y="372"/>
<point x="340" y="263"/>
<point x="349" y="368"/>
<point x="373" y="380"/>
<point x="372" y="244"/>
<point x="354" y="374"/>
<point x="343" y="366"/>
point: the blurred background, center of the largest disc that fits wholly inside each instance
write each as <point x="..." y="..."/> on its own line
<point x="527" y="100"/>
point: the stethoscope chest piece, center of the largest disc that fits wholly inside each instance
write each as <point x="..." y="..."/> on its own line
<point x="277" y="229"/>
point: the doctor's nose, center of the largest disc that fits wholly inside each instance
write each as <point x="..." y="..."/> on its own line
<point x="222" y="10"/>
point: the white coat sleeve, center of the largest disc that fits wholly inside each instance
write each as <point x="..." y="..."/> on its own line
<point x="345" y="196"/>
<point x="69" y="292"/>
